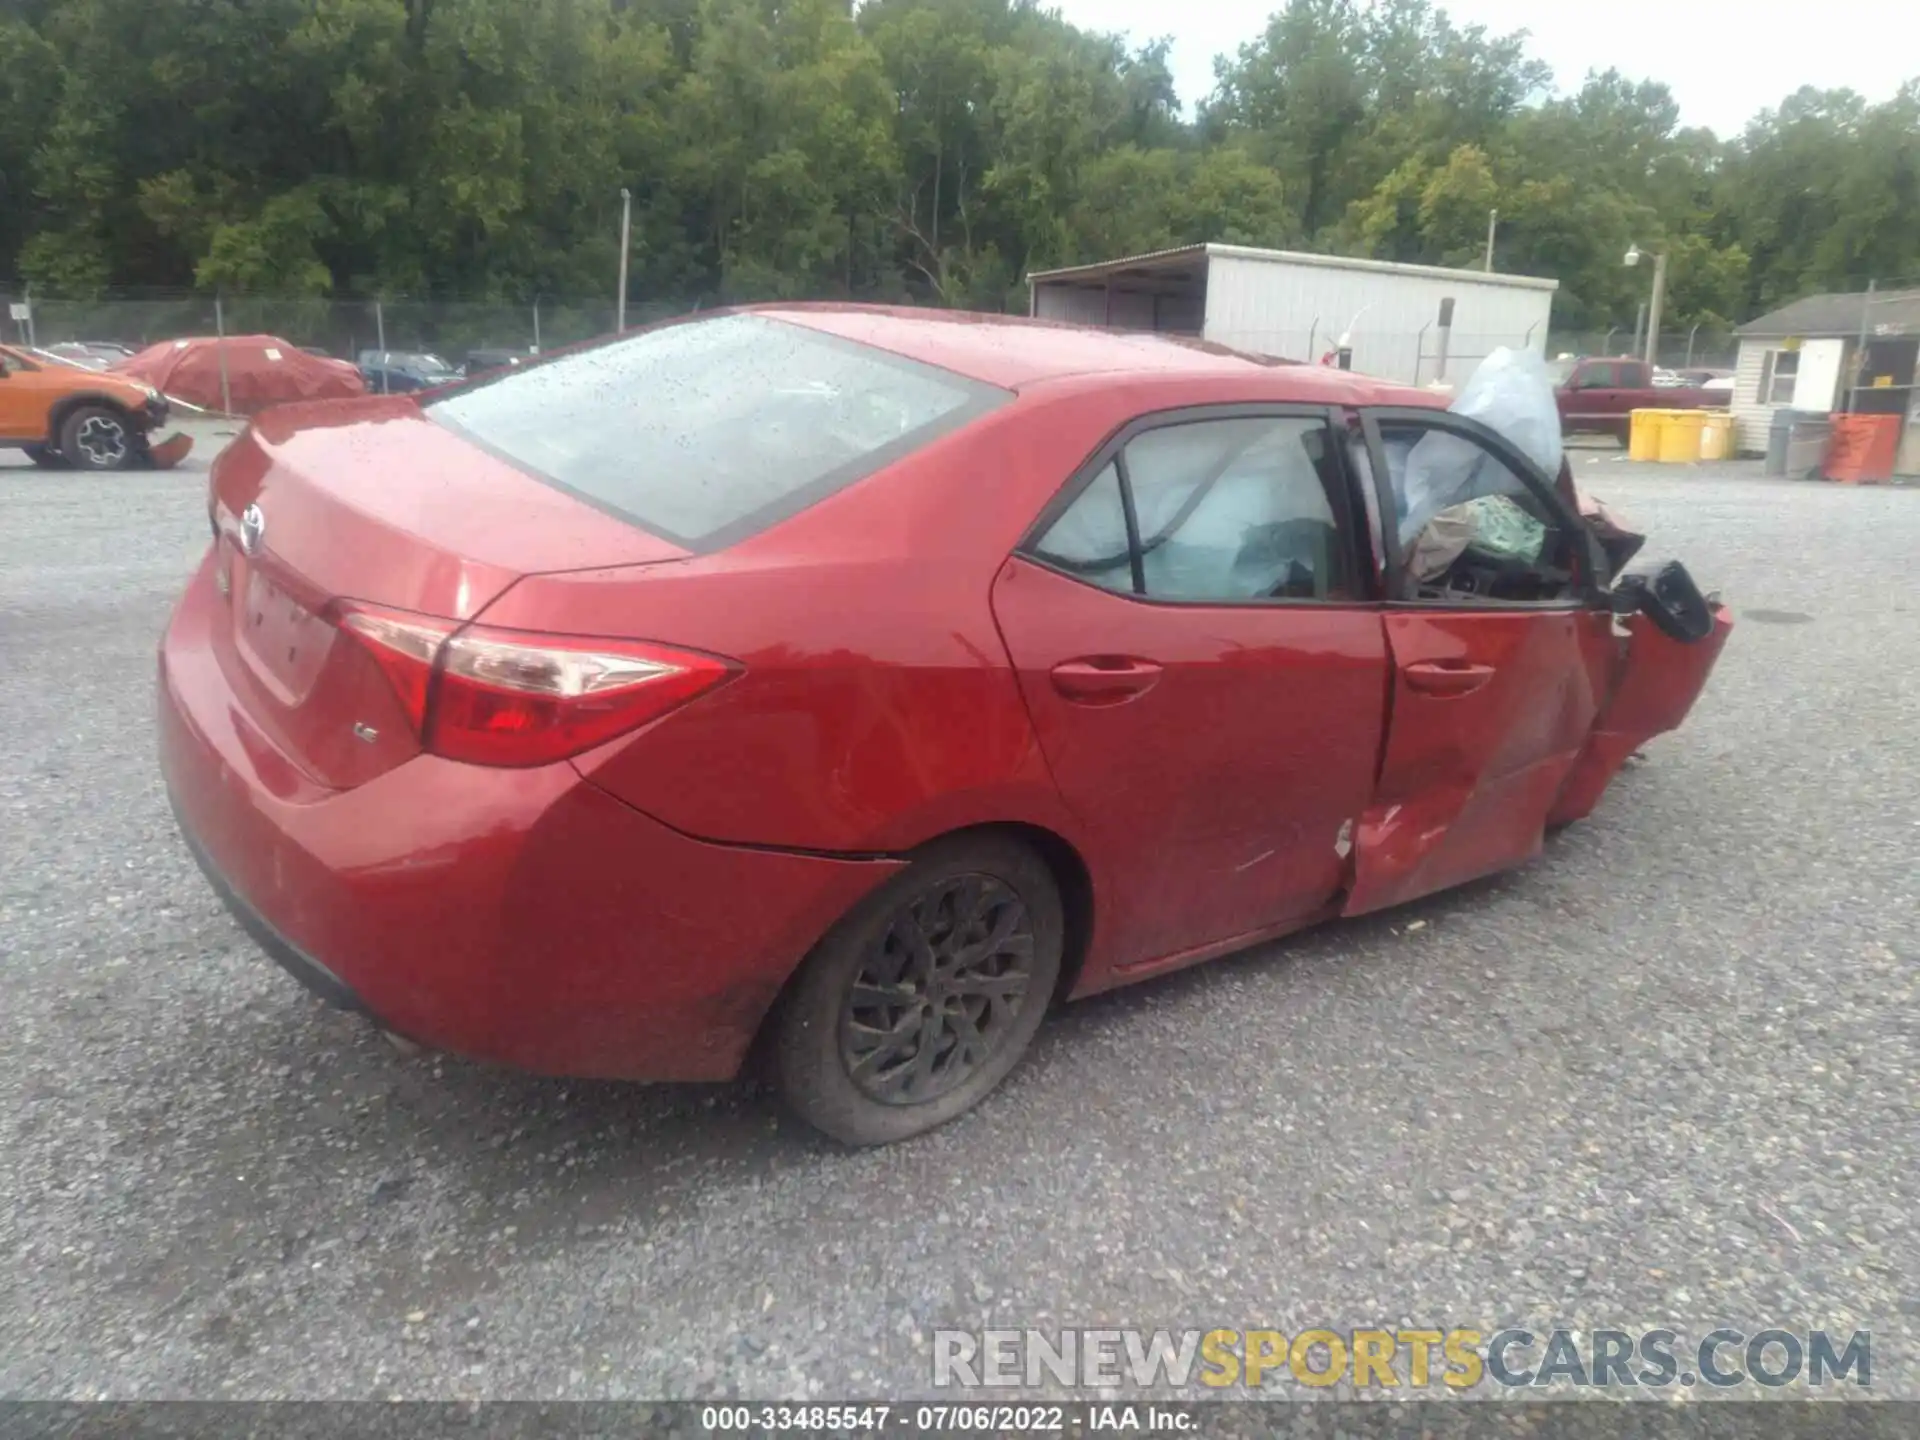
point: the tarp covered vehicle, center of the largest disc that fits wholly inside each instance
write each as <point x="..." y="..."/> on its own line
<point x="261" y="370"/>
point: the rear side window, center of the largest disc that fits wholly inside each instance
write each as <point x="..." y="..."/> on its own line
<point x="708" y="431"/>
<point x="1226" y="511"/>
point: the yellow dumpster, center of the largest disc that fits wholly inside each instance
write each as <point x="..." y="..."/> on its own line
<point x="1680" y="436"/>
<point x="1643" y="434"/>
<point x="1716" y="435"/>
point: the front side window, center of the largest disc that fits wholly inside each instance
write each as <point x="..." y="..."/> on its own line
<point x="1470" y="528"/>
<point x="1225" y="511"/>
<point x="706" y="431"/>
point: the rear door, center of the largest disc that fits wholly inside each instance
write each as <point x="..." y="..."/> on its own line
<point x="1502" y="654"/>
<point x="1205" y="669"/>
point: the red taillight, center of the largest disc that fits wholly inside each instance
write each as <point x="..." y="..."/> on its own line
<point x="508" y="697"/>
<point x="404" y="646"/>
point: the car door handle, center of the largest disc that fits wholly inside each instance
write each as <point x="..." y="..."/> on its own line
<point x="1105" y="679"/>
<point x="1446" y="677"/>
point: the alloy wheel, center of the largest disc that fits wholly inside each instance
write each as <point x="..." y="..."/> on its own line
<point x="102" y="440"/>
<point x="939" y="993"/>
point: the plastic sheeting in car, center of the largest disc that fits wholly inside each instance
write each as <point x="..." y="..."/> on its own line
<point x="1509" y="393"/>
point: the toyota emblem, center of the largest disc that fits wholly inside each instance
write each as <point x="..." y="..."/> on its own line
<point x="253" y="529"/>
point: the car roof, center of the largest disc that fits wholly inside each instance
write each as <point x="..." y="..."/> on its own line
<point x="1015" y="352"/>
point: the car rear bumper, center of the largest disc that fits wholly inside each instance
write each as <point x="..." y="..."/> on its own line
<point x="520" y="916"/>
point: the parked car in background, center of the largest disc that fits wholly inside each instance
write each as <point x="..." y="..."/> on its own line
<point x="1598" y="395"/>
<point x="688" y="696"/>
<point x="400" y="372"/>
<point x="90" y="354"/>
<point x="488" y="362"/>
<point x="1704" y="376"/>
<point x="67" y="416"/>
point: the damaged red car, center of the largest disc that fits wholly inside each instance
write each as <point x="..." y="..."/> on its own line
<point x="841" y="687"/>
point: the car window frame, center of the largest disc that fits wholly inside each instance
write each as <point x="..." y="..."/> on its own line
<point x="1592" y="594"/>
<point x="1344" y="501"/>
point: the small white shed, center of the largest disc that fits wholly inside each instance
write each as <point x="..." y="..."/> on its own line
<point x="1296" y="306"/>
<point x="1807" y="356"/>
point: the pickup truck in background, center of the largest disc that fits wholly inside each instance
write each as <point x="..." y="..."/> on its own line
<point x="1599" y="395"/>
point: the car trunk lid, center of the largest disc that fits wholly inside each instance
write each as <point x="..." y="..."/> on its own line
<point x="316" y="508"/>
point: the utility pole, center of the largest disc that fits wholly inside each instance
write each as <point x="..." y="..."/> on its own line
<point x="220" y="350"/>
<point x="1493" y="221"/>
<point x="626" y="240"/>
<point x="1653" y="310"/>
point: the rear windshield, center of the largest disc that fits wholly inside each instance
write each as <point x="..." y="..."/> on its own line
<point x="707" y="431"/>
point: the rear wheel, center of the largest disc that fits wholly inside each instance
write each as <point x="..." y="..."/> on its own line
<point x="46" y="457"/>
<point x="925" y="996"/>
<point x="96" y="438"/>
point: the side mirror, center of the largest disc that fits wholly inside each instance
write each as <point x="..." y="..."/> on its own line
<point x="1666" y="594"/>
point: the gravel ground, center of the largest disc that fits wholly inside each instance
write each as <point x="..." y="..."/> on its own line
<point x="1664" y="1075"/>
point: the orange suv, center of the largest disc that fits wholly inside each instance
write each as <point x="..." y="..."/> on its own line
<point x="65" y="417"/>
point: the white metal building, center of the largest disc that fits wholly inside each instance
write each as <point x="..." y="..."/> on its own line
<point x="1296" y="306"/>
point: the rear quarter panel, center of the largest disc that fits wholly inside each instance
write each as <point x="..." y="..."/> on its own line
<point x="875" y="708"/>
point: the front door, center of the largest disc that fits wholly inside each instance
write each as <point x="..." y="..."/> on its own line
<point x="1595" y="403"/>
<point x="1502" y="651"/>
<point x="1205" y="674"/>
<point x="23" y="400"/>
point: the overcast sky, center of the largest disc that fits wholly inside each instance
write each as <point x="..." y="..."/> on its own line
<point x="1723" y="59"/>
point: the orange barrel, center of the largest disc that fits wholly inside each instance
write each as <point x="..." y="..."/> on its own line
<point x="1860" y="450"/>
<point x="1716" y="435"/>
<point x="1680" y="436"/>
<point x="1643" y="434"/>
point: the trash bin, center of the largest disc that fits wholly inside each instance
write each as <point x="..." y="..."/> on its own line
<point x="1807" y="438"/>
<point x="1680" y="436"/>
<point x="1716" y="435"/>
<point x="1778" y="429"/>
<point x="1860" y="449"/>
<point x="1643" y="434"/>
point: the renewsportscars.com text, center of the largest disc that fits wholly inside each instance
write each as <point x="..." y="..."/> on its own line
<point x="1417" y="1359"/>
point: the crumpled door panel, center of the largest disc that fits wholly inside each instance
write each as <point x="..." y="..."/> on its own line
<point x="1659" y="683"/>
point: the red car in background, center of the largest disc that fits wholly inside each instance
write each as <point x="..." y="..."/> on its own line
<point x="845" y="685"/>
<point x="1598" y="395"/>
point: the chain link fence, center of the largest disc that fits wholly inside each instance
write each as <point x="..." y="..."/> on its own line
<point x="454" y="328"/>
<point x="1696" y="347"/>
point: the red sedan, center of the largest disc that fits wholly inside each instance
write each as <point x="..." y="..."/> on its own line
<point x="845" y="685"/>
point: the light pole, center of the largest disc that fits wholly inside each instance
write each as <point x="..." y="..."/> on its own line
<point x="1632" y="257"/>
<point x="626" y="241"/>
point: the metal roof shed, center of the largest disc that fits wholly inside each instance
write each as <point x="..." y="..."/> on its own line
<point x="1293" y="305"/>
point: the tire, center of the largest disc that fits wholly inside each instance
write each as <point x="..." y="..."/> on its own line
<point x="95" y="437"/>
<point x="830" y="1064"/>
<point x="46" y="457"/>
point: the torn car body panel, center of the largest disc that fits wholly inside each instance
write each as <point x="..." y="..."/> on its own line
<point x="1491" y="711"/>
<point x="1660" y="680"/>
<point x="167" y="453"/>
<point x="1470" y="790"/>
